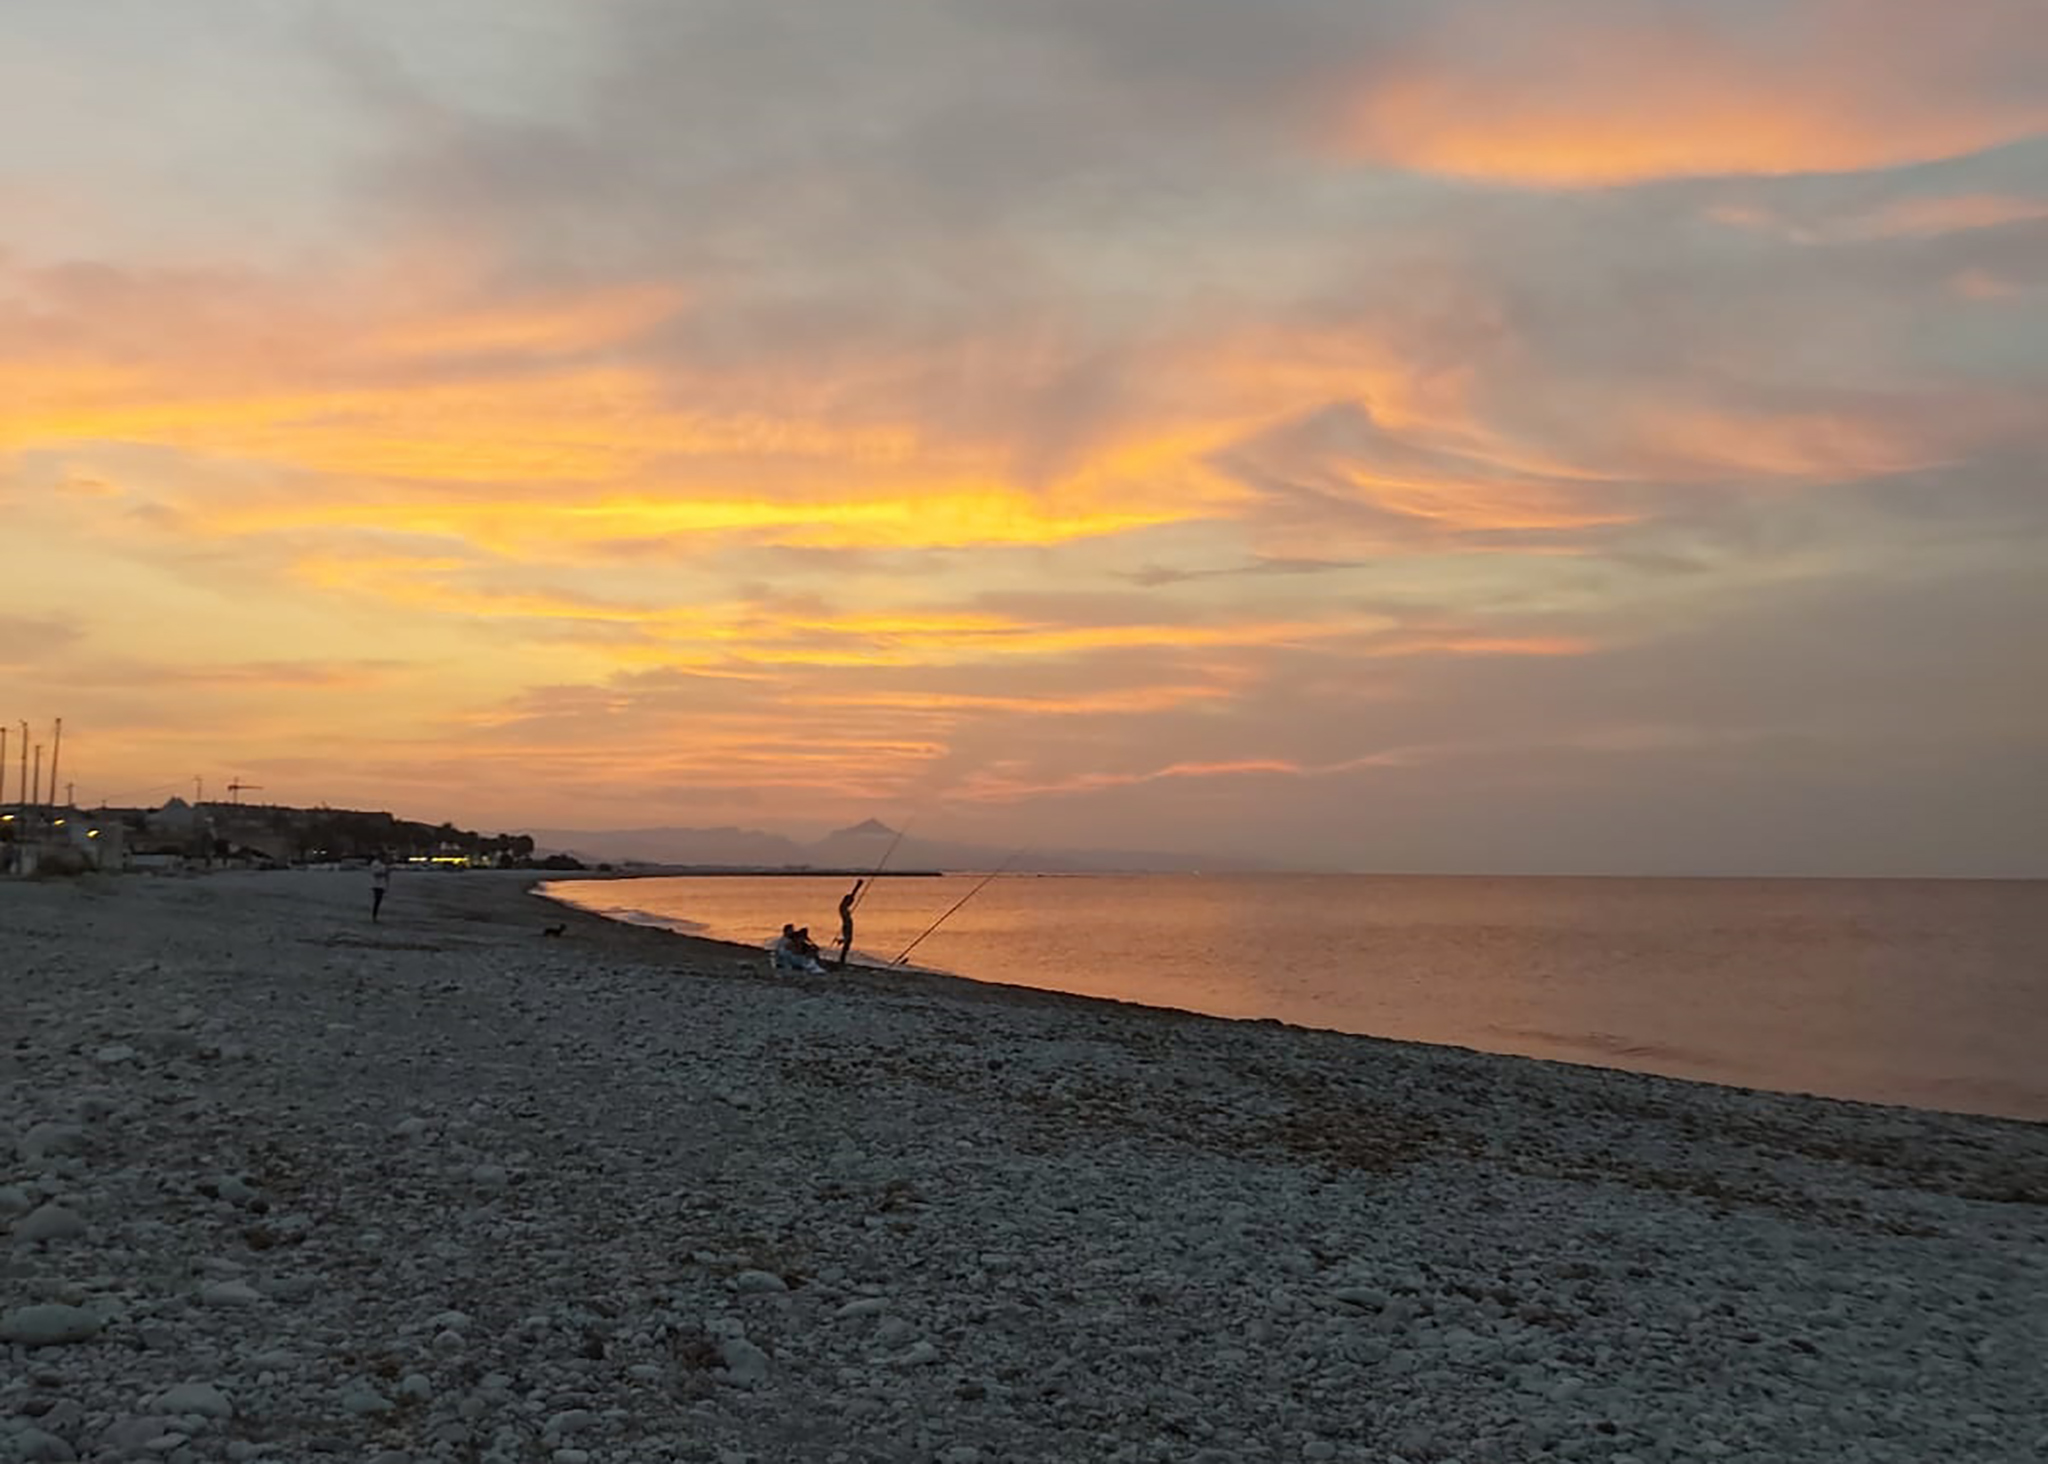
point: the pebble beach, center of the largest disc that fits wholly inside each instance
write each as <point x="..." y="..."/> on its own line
<point x="278" y="1183"/>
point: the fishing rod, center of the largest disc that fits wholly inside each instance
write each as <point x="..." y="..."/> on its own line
<point x="956" y="905"/>
<point x="887" y="855"/>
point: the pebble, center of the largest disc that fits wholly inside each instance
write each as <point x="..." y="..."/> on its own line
<point x="46" y="1140"/>
<point x="49" y="1222"/>
<point x="127" y="1434"/>
<point x="201" y="1398"/>
<point x="746" y="1365"/>
<point x="229" y="1293"/>
<point x="235" y="1190"/>
<point x="49" y="1324"/>
<point x="567" y="1422"/>
<point x="34" y="1446"/>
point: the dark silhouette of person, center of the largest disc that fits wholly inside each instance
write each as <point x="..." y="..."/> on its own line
<point x="846" y="904"/>
<point x="380" y="885"/>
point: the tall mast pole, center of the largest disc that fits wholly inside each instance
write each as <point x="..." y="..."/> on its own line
<point x="3" y="764"/>
<point x="56" y="747"/>
<point x="35" y="794"/>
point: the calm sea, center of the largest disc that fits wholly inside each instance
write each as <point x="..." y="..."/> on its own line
<point x="1928" y="993"/>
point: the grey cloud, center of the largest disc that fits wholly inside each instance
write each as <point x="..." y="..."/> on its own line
<point x="31" y="640"/>
<point x="1010" y="221"/>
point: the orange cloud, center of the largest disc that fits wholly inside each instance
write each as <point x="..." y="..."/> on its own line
<point x="1482" y="506"/>
<point x="1625" y="93"/>
<point x="1116" y="701"/>
<point x="1702" y="440"/>
<point x="999" y="786"/>
<point x="1901" y="218"/>
<point x="560" y="326"/>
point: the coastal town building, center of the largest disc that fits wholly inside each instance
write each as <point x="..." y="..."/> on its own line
<point x="181" y="835"/>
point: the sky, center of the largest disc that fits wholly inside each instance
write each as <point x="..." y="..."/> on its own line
<point x="1414" y="435"/>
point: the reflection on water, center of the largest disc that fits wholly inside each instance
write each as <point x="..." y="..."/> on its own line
<point x="1931" y="993"/>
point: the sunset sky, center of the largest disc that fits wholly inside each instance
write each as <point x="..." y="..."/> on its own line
<point x="1434" y="435"/>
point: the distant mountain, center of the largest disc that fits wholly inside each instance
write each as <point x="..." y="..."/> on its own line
<point x="859" y="846"/>
<point x="867" y="828"/>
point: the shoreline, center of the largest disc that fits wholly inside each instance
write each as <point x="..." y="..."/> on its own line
<point x="884" y="975"/>
<point x="447" y="1188"/>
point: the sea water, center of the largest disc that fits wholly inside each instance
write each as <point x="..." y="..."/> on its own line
<point x="1929" y="993"/>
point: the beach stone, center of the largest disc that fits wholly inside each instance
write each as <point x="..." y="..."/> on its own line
<point x="48" y="1325"/>
<point x="49" y="1222"/>
<point x="490" y="1176"/>
<point x="114" y="1052"/>
<point x="229" y="1293"/>
<point x="65" y="1416"/>
<point x="47" y="1140"/>
<point x="755" y="1282"/>
<point x="235" y="1190"/>
<point x="567" y="1422"/>
<point x="15" y="1200"/>
<point x="36" y="1446"/>
<point x="363" y="1401"/>
<point x="746" y="1365"/>
<point x="129" y="1434"/>
<point x="201" y="1398"/>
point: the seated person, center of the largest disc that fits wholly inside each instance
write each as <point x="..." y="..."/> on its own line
<point x="793" y="951"/>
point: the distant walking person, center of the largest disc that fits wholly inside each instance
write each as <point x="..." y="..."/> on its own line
<point x="380" y="885"/>
<point x="846" y="904"/>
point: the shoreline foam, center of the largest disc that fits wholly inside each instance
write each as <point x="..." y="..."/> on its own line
<point x="444" y="1187"/>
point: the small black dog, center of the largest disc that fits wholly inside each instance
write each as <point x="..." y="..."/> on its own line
<point x="554" y="930"/>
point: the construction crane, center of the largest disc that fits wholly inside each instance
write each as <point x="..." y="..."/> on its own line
<point x="238" y="787"/>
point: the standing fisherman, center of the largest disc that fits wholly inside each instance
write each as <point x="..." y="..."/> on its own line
<point x="380" y="885"/>
<point x="846" y="904"/>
